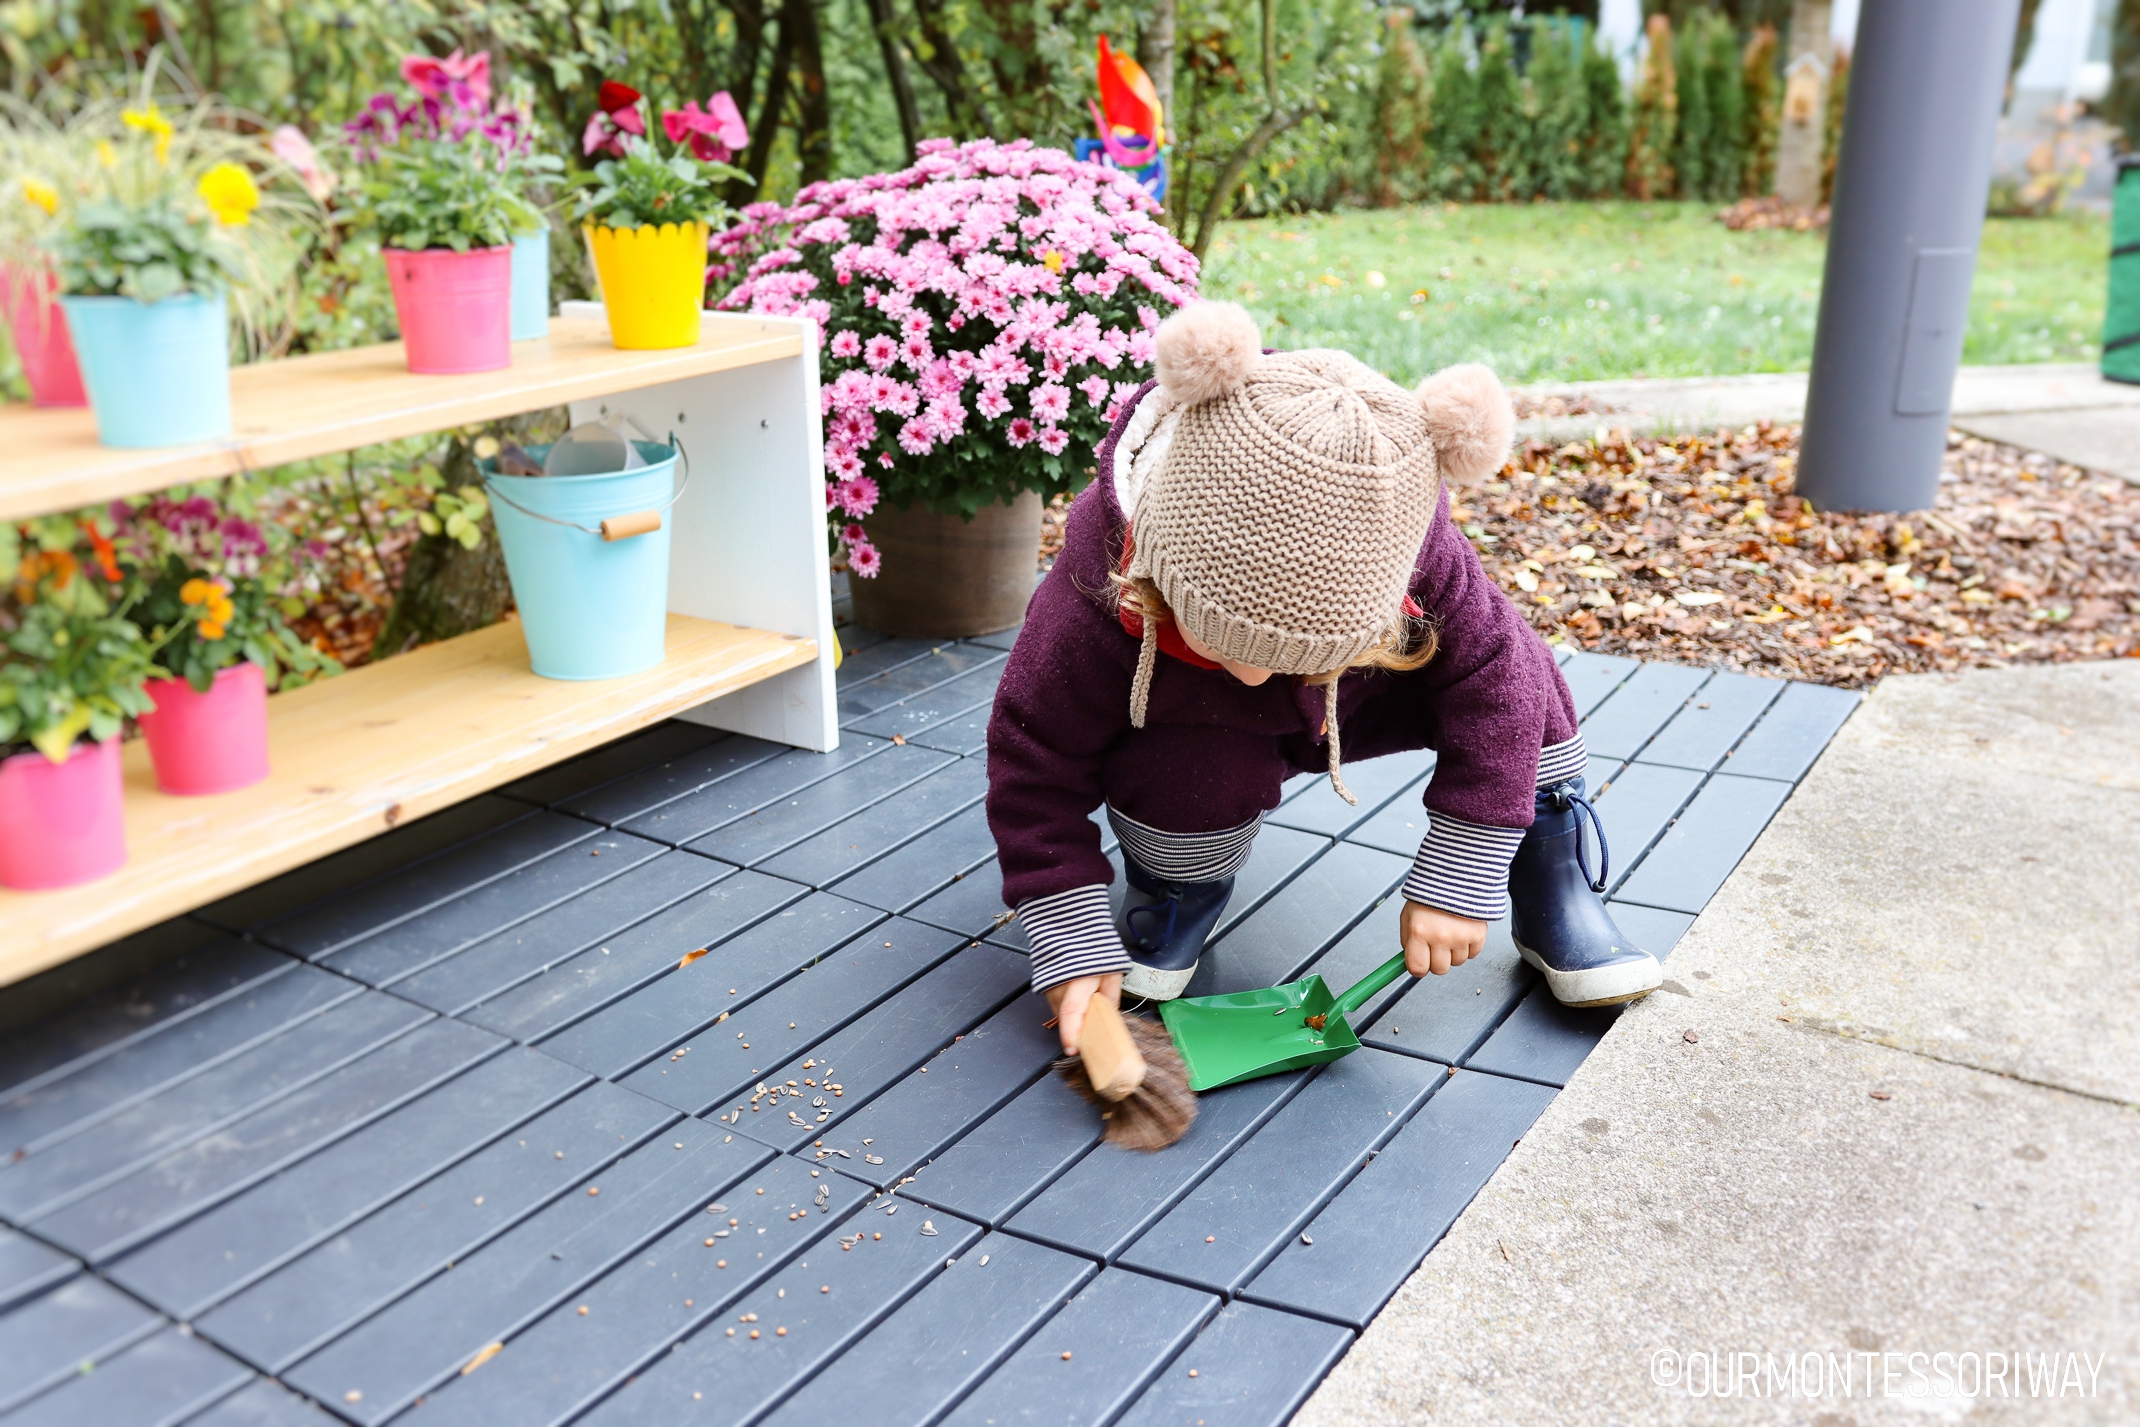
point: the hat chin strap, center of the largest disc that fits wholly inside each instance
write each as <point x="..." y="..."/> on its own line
<point x="1330" y="725"/>
<point x="1140" y="689"/>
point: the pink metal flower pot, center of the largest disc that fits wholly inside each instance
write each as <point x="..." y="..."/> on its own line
<point x="456" y="309"/>
<point x="213" y="742"/>
<point x="42" y="342"/>
<point x="60" y="823"/>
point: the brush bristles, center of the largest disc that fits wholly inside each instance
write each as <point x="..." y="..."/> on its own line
<point x="1158" y="1112"/>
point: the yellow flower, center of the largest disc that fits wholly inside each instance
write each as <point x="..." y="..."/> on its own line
<point x="1053" y="259"/>
<point x="194" y="591"/>
<point x="231" y="193"/>
<point x="106" y="154"/>
<point x="43" y="194"/>
<point x="211" y="631"/>
<point x="150" y="121"/>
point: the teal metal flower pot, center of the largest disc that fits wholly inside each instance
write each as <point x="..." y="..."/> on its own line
<point x="531" y="285"/>
<point x="158" y="373"/>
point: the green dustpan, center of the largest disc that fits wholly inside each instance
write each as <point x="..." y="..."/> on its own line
<point x="1229" y="1039"/>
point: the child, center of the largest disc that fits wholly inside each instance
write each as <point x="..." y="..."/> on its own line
<point x="1265" y="558"/>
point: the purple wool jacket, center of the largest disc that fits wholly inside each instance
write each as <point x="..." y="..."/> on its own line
<point x="1214" y="752"/>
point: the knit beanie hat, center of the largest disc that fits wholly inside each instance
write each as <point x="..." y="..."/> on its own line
<point x="1282" y="525"/>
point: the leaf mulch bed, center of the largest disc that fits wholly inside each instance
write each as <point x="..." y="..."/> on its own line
<point x="1696" y="551"/>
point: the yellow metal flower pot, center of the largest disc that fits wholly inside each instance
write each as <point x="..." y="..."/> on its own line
<point x="653" y="282"/>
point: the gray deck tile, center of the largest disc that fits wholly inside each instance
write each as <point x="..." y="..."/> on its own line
<point x="1637" y="808"/>
<point x="1254" y="1369"/>
<point x="971" y="905"/>
<point x="217" y="969"/>
<point x="498" y="963"/>
<point x="968" y="1081"/>
<point x="153" y="1127"/>
<point x="46" y="1340"/>
<point x="643" y="791"/>
<point x="1793" y="732"/>
<point x="630" y="959"/>
<point x="1692" y="859"/>
<point x="428" y="1336"/>
<point x="28" y="1268"/>
<point x="1592" y="677"/>
<point x="895" y="1039"/>
<point x="1119" y="1332"/>
<point x="1113" y="1194"/>
<point x="940" y="665"/>
<point x="1371" y="942"/>
<point x="174" y="1052"/>
<point x="1262" y="1193"/>
<point x="1543" y="1040"/>
<point x="716" y="1073"/>
<point x="855" y="841"/>
<point x="395" y="898"/>
<point x="1375" y="782"/>
<point x="397" y="851"/>
<point x="1279" y="853"/>
<point x="715" y="1378"/>
<point x="445" y="1220"/>
<point x="165" y="1379"/>
<point x="263" y="1404"/>
<point x="1624" y="723"/>
<point x="933" y="1348"/>
<point x="1001" y="639"/>
<point x="923" y="867"/>
<point x="677" y="819"/>
<point x="1397" y="828"/>
<point x="1599" y="773"/>
<point x="777" y="826"/>
<point x="1700" y="734"/>
<point x="669" y="739"/>
<point x="1010" y="1156"/>
<point x="247" y="1237"/>
<point x="659" y="1294"/>
<point x="1655" y="931"/>
<point x="429" y="937"/>
<point x="1271" y="944"/>
<point x="203" y="1173"/>
<point x="976" y="688"/>
<point x="658" y="1017"/>
<point x="878" y="654"/>
<point x="965" y="734"/>
<point x="1368" y="1240"/>
<point x="1446" y="1018"/>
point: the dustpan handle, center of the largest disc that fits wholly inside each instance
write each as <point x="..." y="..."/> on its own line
<point x="1363" y="990"/>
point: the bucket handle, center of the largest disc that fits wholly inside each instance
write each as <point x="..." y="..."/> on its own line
<point x="616" y="527"/>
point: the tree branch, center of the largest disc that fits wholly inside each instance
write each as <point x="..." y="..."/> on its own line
<point x="895" y="70"/>
<point x="1207" y="222"/>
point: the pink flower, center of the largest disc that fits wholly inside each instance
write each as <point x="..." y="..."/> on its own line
<point x="1020" y="432"/>
<point x="880" y="352"/>
<point x="1051" y="403"/>
<point x="713" y="134"/>
<point x="863" y="559"/>
<point x="915" y="324"/>
<point x="616" y="116"/>
<point x="992" y="403"/>
<point x="916" y="439"/>
<point x="847" y="344"/>
<point x="884" y="459"/>
<point x="1053" y="439"/>
<point x="1095" y="388"/>
<point x="464" y="81"/>
<point x="291" y="146"/>
<point x="859" y="493"/>
<point x="853" y="534"/>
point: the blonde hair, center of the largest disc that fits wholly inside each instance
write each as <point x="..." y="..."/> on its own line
<point x="1409" y="644"/>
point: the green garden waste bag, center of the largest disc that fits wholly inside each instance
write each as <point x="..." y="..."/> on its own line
<point x="2121" y="321"/>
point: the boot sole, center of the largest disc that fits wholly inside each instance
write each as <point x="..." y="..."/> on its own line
<point x="1600" y="986"/>
<point x="1155" y="985"/>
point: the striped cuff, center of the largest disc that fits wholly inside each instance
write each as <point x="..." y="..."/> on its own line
<point x="1185" y="856"/>
<point x="1558" y="762"/>
<point x="1072" y="934"/>
<point x="1462" y="867"/>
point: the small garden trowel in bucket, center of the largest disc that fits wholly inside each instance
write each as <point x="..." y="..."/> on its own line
<point x="586" y="546"/>
<point x="1228" y="1039"/>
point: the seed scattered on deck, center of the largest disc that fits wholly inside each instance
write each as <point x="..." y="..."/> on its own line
<point x="984" y="1261"/>
<point x="1066" y="1357"/>
<point x="593" y="1190"/>
<point x="583" y="1310"/>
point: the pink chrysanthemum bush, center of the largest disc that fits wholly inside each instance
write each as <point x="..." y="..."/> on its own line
<point x="983" y="315"/>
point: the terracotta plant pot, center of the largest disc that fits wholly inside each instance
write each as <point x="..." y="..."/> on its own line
<point x="39" y="327"/>
<point x="455" y="309"/>
<point x="947" y="578"/>
<point x="213" y="742"/>
<point x="60" y="823"/>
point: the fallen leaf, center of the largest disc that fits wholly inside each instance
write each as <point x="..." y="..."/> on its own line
<point x="691" y="956"/>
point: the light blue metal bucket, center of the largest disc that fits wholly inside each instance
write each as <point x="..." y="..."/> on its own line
<point x="590" y="607"/>
<point x="531" y="285"/>
<point x="157" y="373"/>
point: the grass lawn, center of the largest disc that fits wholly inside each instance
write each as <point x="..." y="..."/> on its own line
<point x="1581" y="291"/>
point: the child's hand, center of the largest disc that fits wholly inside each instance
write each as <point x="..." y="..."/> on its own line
<point x="1435" y="941"/>
<point x="1069" y="999"/>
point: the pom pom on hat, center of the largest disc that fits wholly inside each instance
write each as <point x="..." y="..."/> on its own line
<point x="1470" y="419"/>
<point x="1206" y="350"/>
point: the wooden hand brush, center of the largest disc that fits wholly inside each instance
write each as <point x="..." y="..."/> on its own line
<point x="1131" y="1070"/>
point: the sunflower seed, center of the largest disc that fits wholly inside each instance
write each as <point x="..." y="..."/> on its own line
<point x="873" y="1158"/>
<point x="928" y="1228"/>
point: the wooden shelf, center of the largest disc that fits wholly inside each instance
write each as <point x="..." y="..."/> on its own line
<point x="319" y="405"/>
<point x="357" y="755"/>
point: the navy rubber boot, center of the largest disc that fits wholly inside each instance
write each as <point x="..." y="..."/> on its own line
<point x="1557" y="918"/>
<point x="1164" y="926"/>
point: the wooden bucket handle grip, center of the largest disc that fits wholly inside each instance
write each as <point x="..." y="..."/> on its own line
<point x="623" y="527"/>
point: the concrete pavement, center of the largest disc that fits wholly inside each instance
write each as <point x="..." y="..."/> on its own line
<point x="1887" y="1103"/>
